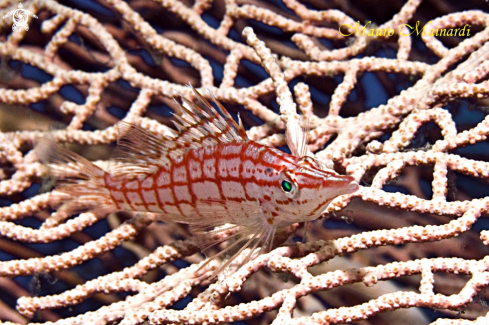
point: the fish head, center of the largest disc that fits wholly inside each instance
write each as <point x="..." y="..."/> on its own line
<point x="307" y="189"/>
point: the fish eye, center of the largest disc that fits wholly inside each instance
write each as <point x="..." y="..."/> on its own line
<point x="288" y="186"/>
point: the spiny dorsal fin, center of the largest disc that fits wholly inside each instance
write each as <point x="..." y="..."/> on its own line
<point x="140" y="152"/>
<point x="202" y="125"/>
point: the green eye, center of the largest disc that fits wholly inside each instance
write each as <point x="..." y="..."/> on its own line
<point x="286" y="186"/>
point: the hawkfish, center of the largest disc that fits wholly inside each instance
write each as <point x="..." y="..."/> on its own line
<point x="209" y="175"/>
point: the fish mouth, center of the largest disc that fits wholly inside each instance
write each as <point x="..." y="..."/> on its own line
<point x="352" y="187"/>
<point x="347" y="185"/>
<point x="337" y="184"/>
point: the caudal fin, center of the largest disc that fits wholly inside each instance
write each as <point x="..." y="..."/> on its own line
<point x="80" y="184"/>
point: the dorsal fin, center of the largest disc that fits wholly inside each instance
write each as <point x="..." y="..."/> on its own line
<point x="202" y="125"/>
<point x="141" y="152"/>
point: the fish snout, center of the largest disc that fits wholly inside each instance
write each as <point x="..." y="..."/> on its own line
<point x="344" y="184"/>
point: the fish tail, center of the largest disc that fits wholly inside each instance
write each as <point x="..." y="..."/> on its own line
<point x="80" y="184"/>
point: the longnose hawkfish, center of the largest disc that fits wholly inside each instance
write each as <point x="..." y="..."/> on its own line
<point x="208" y="175"/>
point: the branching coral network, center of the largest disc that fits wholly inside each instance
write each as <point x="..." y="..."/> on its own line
<point x="399" y="104"/>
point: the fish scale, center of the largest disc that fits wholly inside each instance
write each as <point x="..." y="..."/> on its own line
<point x="220" y="174"/>
<point x="208" y="175"/>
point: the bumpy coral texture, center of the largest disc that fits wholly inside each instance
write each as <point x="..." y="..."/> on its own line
<point x="404" y="115"/>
